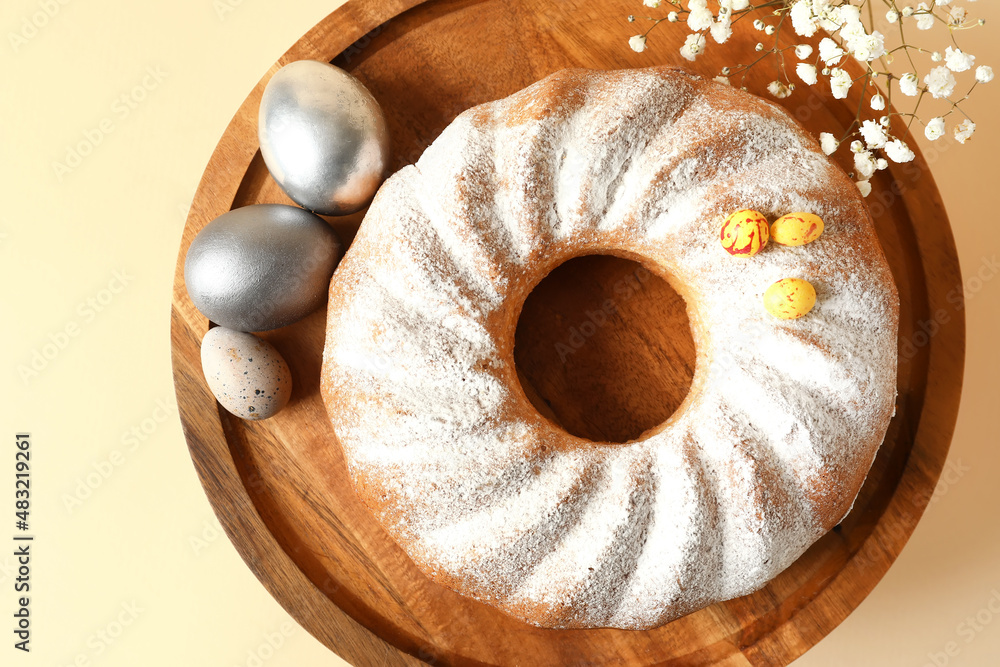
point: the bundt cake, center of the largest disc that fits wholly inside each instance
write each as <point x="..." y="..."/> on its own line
<point x="783" y="419"/>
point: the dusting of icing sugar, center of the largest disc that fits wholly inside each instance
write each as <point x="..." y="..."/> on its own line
<point x="784" y="417"/>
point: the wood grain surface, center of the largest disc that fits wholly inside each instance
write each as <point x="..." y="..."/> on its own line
<point x="280" y="487"/>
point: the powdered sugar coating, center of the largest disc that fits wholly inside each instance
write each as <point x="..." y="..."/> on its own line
<point x="783" y="418"/>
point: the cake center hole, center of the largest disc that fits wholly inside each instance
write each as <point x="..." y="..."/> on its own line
<point x="603" y="348"/>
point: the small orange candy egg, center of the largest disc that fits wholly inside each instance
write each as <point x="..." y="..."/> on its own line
<point x="744" y="233"/>
<point x="790" y="298"/>
<point x="796" y="229"/>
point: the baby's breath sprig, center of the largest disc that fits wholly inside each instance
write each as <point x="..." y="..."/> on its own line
<point x="851" y="32"/>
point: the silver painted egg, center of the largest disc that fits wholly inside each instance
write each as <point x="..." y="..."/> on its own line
<point x="247" y="375"/>
<point x="323" y="137"/>
<point x="261" y="267"/>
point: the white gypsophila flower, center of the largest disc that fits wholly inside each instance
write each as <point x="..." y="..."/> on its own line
<point x="874" y="134"/>
<point x="875" y="43"/>
<point x="778" y="89"/>
<point x="672" y="17"/>
<point x="864" y="164"/>
<point x="840" y="83"/>
<point x="957" y="61"/>
<point x="934" y="129"/>
<point x="828" y="143"/>
<point x="869" y="47"/>
<point x="940" y="82"/>
<point x="851" y="32"/>
<point x="850" y="13"/>
<point x="847" y="35"/>
<point x="852" y="35"/>
<point x="807" y="72"/>
<point x="925" y="18"/>
<point x="908" y="85"/>
<point x="693" y="45"/>
<point x="865" y="187"/>
<point x="964" y="131"/>
<point x="722" y="30"/>
<point x="803" y="21"/>
<point x="700" y="16"/>
<point x="830" y="52"/>
<point x="899" y="151"/>
<point x="828" y="14"/>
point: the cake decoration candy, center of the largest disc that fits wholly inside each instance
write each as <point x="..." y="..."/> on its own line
<point x="790" y="298"/>
<point x="744" y="233"/>
<point x="796" y="229"/>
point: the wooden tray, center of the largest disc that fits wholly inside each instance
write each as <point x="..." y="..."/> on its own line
<point x="280" y="487"/>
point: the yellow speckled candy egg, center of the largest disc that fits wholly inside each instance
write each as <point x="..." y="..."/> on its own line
<point x="790" y="298"/>
<point x="248" y="375"/>
<point x="744" y="233"/>
<point x="796" y="229"/>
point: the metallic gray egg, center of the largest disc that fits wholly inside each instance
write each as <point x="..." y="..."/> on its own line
<point x="323" y="137"/>
<point x="261" y="267"/>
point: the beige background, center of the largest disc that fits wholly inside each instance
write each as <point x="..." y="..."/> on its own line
<point x="129" y="537"/>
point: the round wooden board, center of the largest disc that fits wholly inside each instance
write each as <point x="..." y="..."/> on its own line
<point x="280" y="487"/>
